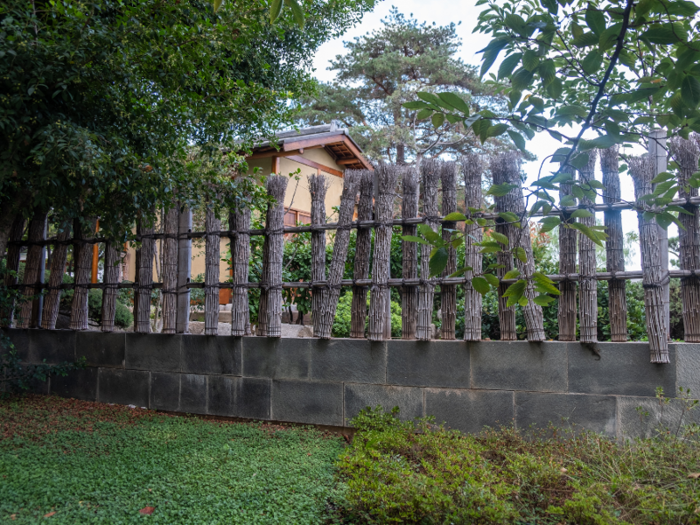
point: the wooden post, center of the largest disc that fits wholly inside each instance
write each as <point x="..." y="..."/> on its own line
<point x="654" y="277"/>
<point x="110" y="279"/>
<point x="184" y="268"/>
<point x="363" y="247"/>
<point x="567" y="265"/>
<point x="409" y="263"/>
<point x="32" y="272"/>
<point x="430" y="174"/>
<point x="657" y="152"/>
<point x="318" y="185"/>
<point x="83" y="268"/>
<point x="211" y="273"/>
<point x="12" y="264"/>
<point x="379" y="298"/>
<point x="588" y="286"/>
<point x="340" y="253"/>
<point x="95" y="256"/>
<point x="614" y="247"/>
<point x="472" y="168"/>
<point x="58" y="268"/>
<point x="169" y="289"/>
<point x="144" y="270"/>
<point x="239" y="221"/>
<point x="686" y="154"/>
<point x="448" y="292"/>
<point x="270" y="310"/>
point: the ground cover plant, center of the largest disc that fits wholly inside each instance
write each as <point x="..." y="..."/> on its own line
<point x="398" y="472"/>
<point x="69" y="461"/>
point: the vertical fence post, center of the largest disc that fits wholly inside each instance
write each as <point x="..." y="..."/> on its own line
<point x="472" y="168"/>
<point x="12" y="264"/>
<point x="144" y="271"/>
<point x="654" y="276"/>
<point x="169" y="289"/>
<point x="212" y="273"/>
<point x="340" y="253"/>
<point x="318" y="186"/>
<point x="363" y="247"/>
<point x="448" y="292"/>
<point x="58" y="268"/>
<point x="380" y="298"/>
<point x="686" y="153"/>
<point x="657" y="151"/>
<point x="430" y="175"/>
<point x="614" y="247"/>
<point x="588" y="286"/>
<point x="409" y="259"/>
<point x="567" y="265"/>
<point x="82" y="256"/>
<point x="28" y="315"/>
<point x="239" y="220"/>
<point x="110" y="291"/>
<point x="270" y="310"/>
<point x="184" y="268"/>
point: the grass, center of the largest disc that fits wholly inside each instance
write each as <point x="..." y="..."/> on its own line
<point x="68" y="461"/>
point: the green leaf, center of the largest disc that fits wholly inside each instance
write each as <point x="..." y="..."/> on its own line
<point x="481" y="285"/>
<point x="543" y="300"/>
<point x="514" y="97"/>
<point x="297" y="12"/>
<point x="438" y="261"/>
<point x="586" y="39"/>
<point x="517" y="138"/>
<point x="521" y="79"/>
<point x="438" y="119"/>
<point x="508" y="65"/>
<point x="595" y="20"/>
<point x="555" y="88"/>
<point x="513" y="274"/>
<point x="585" y="230"/>
<point x="665" y="220"/>
<point x="492" y="279"/>
<point x="411" y="238"/>
<point x="520" y="254"/>
<point x="498" y="129"/>
<point x="578" y="111"/>
<point x="491" y="53"/>
<point x="549" y="223"/>
<point x="217" y="4"/>
<point x="455" y="101"/>
<point x="592" y="62"/>
<point x="428" y="97"/>
<point x="550" y="5"/>
<point x="415" y="104"/>
<point x="578" y="214"/>
<point x="461" y="271"/>
<point x="516" y="289"/>
<point x="530" y="60"/>
<point x="690" y="91"/>
<point x="275" y="10"/>
<point x="516" y="23"/>
<point x="664" y="34"/>
<point x="580" y="161"/>
<point x="424" y="114"/>
<point x="609" y="37"/>
<point x="499" y="190"/>
<point x="427" y="232"/>
<point x="455" y="216"/>
<point x="500" y="238"/>
<point x="509" y="216"/>
<point x="662" y="177"/>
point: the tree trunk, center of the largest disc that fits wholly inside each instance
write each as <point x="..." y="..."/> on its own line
<point x="409" y="270"/>
<point x="340" y="253"/>
<point x="473" y="233"/>
<point x="430" y="174"/>
<point x="169" y="289"/>
<point x="240" y="221"/>
<point x="686" y="153"/>
<point x="144" y="272"/>
<point x="614" y="247"/>
<point x="58" y="267"/>
<point x="12" y="264"/>
<point x="211" y="273"/>
<point x="270" y="310"/>
<point x="567" y="265"/>
<point x="83" y="271"/>
<point x="363" y="248"/>
<point x="448" y="292"/>
<point x="386" y="180"/>
<point x="318" y="185"/>
<point x="588" y="287"/>
<point x="32" y="274"/>
<point x="642" y="171"/>
<point x="111" y="290"/>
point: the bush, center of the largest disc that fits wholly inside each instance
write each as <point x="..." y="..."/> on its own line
<point x="343" y="315"/>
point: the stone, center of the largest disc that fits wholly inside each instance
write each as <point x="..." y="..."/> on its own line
<point x="165" y="391"/>
<point x="211" y="354"/>
<point x="123" y="387"/>
<point x="622" y="369"/>
<point x="276" y="358"/>
<point x="469" y="410"/>
<point x="428" y="363"/>
<point x="252" y="397"/>
<point x="53" y="346"/>
<point x="197" y="327"/>
<point x="644" y="417"/>
<point x="360" y="396"/>
<point x="78" y="384"/>
<point x="193" y="394"/>
<point x="687" y="368"/>
<point x="348" y="360"/>
<point x="19" y="337"/>
<point x="519" y="365"/>
<point x="220" y="396"/>
<point x="154" y="352"/>
<point x="307" y="402"/>
<point x="101" y="349"/>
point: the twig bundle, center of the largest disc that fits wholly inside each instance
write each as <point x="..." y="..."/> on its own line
<point x="239" y="220"/>
<point x="363" y="247"/>
<point x="588" y="288"/>
<point x="109" y="294"/>
<point x="318" y="186"/>
<point x="567" y="265"/>
<point x="58" y="268"/>
<point x="472" y="167"/>
<point x="409" y="255"/>
<point x="430" y="170"/>
<point x="170" y="227"/>
<point x="144" y="278"/>
<point x="211" y="273"/>
<point x="448" y="292"/>
<point x="32" y="271"/>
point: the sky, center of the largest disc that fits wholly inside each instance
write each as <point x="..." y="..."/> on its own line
<point x="443" y="13"/>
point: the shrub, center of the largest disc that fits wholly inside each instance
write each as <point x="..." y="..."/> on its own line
<point x="343" y="315"/>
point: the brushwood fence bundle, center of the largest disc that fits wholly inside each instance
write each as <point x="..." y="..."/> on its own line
<point x="502" y="228"/>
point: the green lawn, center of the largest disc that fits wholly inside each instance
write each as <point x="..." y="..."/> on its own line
<point x="96" y="463"/>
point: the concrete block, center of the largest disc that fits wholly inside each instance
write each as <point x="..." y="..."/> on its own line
<point x="348" y="360"/>
<point x="252" y="397"/>
<point x="79" y="384"/>
<point x="20" y="339"/>
<point x="165" y="391"/>
<point x="154" y="352"/>
<point x="101" y="349"/>
<point x="519" y="365"/>
<point x="220" y="396"/>
<point x="621" y="369"/>
<point x="644" y="417"/>
<point x="566" y="411"/>
<point x="276" y="358"/>
<point x="307" y="402"/>
<point x="428" y="363"/>
<point x="687" y="368"/>
<point x="211" y="354"/>
<point x="123" y="387"/>
<point x="470" y="410"/>
<point x="54" y="346"/>
<point x="359" y="396"/>
<point x="193" y="394"/>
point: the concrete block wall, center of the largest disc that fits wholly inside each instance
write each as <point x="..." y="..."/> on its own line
<point x="466" y="385"/>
